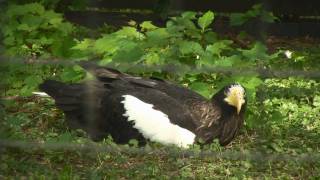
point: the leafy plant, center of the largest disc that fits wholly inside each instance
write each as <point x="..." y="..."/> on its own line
<point x="30" y="30"/>
<point x="257" y="12"/>
<point x="186" y="41"/>
<point x="35" y="33"/>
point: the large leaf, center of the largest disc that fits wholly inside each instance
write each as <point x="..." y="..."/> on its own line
<point x="184" y="23"/>
<point x="257" y="52"/>
<point x="157" y="37"/>
<point x="107" y="43"/>
<point x="218" y="47"/>
<point x="129" y="53"/>
<point x="205" y="20"/>
<point x="190" y="47"/>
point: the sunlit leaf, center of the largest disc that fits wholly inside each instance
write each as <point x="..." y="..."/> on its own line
<point x="205" y="20"/>
<point x="147" y="25"/>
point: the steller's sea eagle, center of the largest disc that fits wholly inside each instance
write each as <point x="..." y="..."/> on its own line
<point x="129" y="107"/>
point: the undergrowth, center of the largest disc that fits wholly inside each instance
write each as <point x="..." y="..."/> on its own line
<point x="282" y="116"/>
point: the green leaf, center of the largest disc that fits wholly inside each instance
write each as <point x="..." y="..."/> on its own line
<point x="72" y="74"/>
<point x="9" y="41"/>
<point x="24" y="27"/>
<point x="205" y="20"/>
<point x="65" y="137"/>
<point x="210" y="37"/>
<point x="189" y="15"/>
<point x="62" y="48"/>
<point x="190" y="47"/>
<point x="184" y="24"/>
<point x="316" y="101"/>
<point x="253" y="82"/>
<point x="65" y="28"/>
<point x="32" y="21"/>
<point x="84" y="45"/>
<point x="152" y="58"/>
<point x="250" y="83"/>
<point x="257" y="52"/>
<point x="31" y="83"/>
<point x="107" y="43"/>
<point x="17" y="10"/>
<point x="157" y="37"/>
<point x="129" y="32"/>
<point x="206" y="60"/>
<point x="147" y="25"/>
<point x="218" y="47"/>
<point x="53" y="17"/>
<point x="228" y="61"/>
<point x="32" y="80"/>
<point x="204" y="89"/>
<point x="129" y="53"/>
<point x="194" y="34"/>
<point x="237" y="19"/>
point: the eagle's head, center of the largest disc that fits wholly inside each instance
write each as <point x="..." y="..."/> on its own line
<point x="235" y="95"/>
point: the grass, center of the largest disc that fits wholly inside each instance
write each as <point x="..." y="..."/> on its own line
<point x="280" y="139"/>
<point x="283" y="124"/>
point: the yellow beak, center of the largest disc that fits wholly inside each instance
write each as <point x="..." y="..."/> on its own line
<point x="238" y="106"/>
<point x="235" y="101"/>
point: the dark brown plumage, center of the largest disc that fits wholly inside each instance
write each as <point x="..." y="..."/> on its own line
<point x="99" y="107"/>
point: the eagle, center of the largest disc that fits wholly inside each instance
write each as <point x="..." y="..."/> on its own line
<point x="147" y="109"/>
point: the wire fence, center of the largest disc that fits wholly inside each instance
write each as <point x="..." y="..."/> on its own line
<point x="262" y="71"/>
<point x="162" y="151"/>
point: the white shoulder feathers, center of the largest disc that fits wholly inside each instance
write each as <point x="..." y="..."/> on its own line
<point x="154" y="124"/>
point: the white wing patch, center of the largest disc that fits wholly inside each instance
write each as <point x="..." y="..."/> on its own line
<point x="154" y="124"/>
<point x="41" y="94"/>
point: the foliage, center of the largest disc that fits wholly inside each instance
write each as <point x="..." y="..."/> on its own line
<point x="58" y="5"/>
<point x="30" y="30"/>
<point x="33" y="32"/>
<point x="181" y="44"/>
<point x="282" y="117"/>
<point x="257" y="12"/>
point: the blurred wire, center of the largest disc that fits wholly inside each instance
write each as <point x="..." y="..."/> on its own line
<point x="262" y="71"/>
<point x="162" y="151"/>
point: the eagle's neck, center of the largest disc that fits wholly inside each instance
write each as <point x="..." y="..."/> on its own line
<point x="207" y="115"/>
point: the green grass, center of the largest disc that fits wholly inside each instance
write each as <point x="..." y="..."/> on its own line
<point x="280" y="139"/>
<point x="284" y="124"/>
